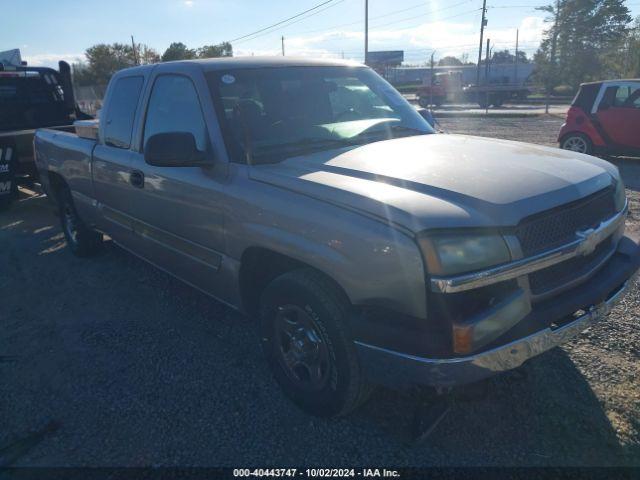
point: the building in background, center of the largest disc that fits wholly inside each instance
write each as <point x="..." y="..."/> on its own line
<point x="498" y="73"/>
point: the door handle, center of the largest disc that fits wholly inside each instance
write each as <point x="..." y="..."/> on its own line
<point x="136" y="178"/>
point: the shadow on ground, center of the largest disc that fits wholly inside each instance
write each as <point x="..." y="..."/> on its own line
<point x="132" y="367"/>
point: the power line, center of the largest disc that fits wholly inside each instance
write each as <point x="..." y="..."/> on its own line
<point x="273" y="28"/>
<point x="358" y="22"/>
<point x="282" y="21"/>
<point x="417" y="16"/>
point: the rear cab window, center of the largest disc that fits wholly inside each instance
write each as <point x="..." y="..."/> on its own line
<point x="122" y="111"/>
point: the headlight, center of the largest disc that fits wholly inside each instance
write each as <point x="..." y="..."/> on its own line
<point x="621" y="196"/>
<point x="450" y="254"/>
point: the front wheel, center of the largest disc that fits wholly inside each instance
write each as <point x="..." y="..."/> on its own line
<point x="82" y="241"/>
<point x="577" y="142"/>
<point x="303" y="323"/>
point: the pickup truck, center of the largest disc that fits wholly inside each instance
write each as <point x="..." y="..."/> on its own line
<point x="371" y="249"/>
<point x="30" y="98"/>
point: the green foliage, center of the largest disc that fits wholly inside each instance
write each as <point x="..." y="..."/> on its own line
<point x="505" y="56"/>
<point x="178" y="51"/>
<point x="587" y="37"/>
<point x="103" y="60"/>
<point x="212" y="51"/>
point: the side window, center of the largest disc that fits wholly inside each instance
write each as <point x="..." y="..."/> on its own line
<point x="121" y="111"/>
<point x="621" y="96"/>
<point x="634" y="99"/>
<point x="609" y="98"/>
<point x="174" y="107"/>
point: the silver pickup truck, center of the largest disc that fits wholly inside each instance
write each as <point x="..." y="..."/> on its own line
<point x="311" y="195"/>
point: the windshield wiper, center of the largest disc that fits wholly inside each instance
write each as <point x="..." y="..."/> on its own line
<point x="307" y="142"/>
<point x="401" y="130"/>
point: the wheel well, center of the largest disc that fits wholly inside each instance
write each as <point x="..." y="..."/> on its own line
<point x="258" y="267"/>
<point x="57" y="184"/>
<point x="574" y="133"/>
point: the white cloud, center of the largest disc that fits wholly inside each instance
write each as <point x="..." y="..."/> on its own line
<point x="52" y="59"/>
<point x="188" y="3"/>
<point x="446" y="38"/>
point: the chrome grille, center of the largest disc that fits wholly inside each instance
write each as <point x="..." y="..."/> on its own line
<point x="556" y="276"/>
<point x="559" y="226"/>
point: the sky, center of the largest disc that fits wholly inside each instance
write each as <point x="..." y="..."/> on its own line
<point x="47" y="31"/>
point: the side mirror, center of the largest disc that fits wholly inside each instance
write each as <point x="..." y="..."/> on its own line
<point x="426" y="114"/>
<point x="173" y="149"/>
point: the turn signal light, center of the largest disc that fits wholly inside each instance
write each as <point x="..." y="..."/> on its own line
<point x="463" y="339"/>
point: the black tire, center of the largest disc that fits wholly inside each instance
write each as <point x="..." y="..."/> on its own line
<point x="340" y="387"/>
<point x="81" y="240"/>
<point x="577" y="142"/>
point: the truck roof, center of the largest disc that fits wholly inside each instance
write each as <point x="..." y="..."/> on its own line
<point x="222" y="63"/>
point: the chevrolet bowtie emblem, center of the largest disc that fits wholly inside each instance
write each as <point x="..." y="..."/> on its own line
<point x="589" y="241"/>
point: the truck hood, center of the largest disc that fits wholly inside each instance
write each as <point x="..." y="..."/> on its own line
<point x="442" y="181"/>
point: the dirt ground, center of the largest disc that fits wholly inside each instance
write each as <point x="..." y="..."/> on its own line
<point x="109" y="362"/>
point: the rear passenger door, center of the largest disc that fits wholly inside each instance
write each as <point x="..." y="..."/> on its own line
<point x="112" y="185"/>
<point x="179" y="209"/>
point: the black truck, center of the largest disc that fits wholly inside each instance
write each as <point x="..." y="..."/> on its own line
<point x="30" y="98"/>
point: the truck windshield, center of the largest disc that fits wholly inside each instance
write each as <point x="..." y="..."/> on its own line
<point x="270" y="114"/>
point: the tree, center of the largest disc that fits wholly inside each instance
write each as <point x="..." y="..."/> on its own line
<point x="223" y="49"/>
<point x="104" y="60"/>
<point x="178" y="51"/>
<point x="147" y="55"/>
<point x="625" y="61"/>
<point x="449" y="61"/>
<point x="505" y="56"/>
<point x="579" y="44"/>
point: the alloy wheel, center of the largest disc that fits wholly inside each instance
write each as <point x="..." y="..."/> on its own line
<point x="300" y="349"/>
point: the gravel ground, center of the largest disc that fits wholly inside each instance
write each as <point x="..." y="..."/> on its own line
<point x="109" y="362"/>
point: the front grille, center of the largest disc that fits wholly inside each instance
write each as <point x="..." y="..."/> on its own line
<point x="556" y="276"/>
<point x="559" y="226"/>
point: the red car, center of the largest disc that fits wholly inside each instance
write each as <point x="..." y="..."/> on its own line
<point x="604" y="118"/>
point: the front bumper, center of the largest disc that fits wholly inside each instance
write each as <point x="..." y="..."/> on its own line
<point x="593" y="299"/>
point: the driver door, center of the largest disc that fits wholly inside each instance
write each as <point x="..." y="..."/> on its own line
<point x="178" y="210"/>
<point x="619" y="115"/>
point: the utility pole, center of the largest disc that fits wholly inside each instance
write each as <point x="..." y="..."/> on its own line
<point x="486" y="78"/>
<point x="431" y="81"/>
<point x="135" y="51"/>
<point x="483" y="24"/>
<point x="554" y="43"/>
<point x="283" y="45"/>
<point x="366" y="32"/>
<point x="515" y="62"/>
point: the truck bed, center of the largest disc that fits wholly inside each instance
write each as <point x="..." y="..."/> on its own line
<point x="66" y="154"/>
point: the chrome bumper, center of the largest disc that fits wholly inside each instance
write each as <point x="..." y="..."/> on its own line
<point x="583" y="245"/>
<point x="398" y="368"/>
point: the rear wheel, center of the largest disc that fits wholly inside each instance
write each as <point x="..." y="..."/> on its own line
<point x="82" y="241"/>
<point x="306" y="341"/>
<point x="577" y="142"/>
